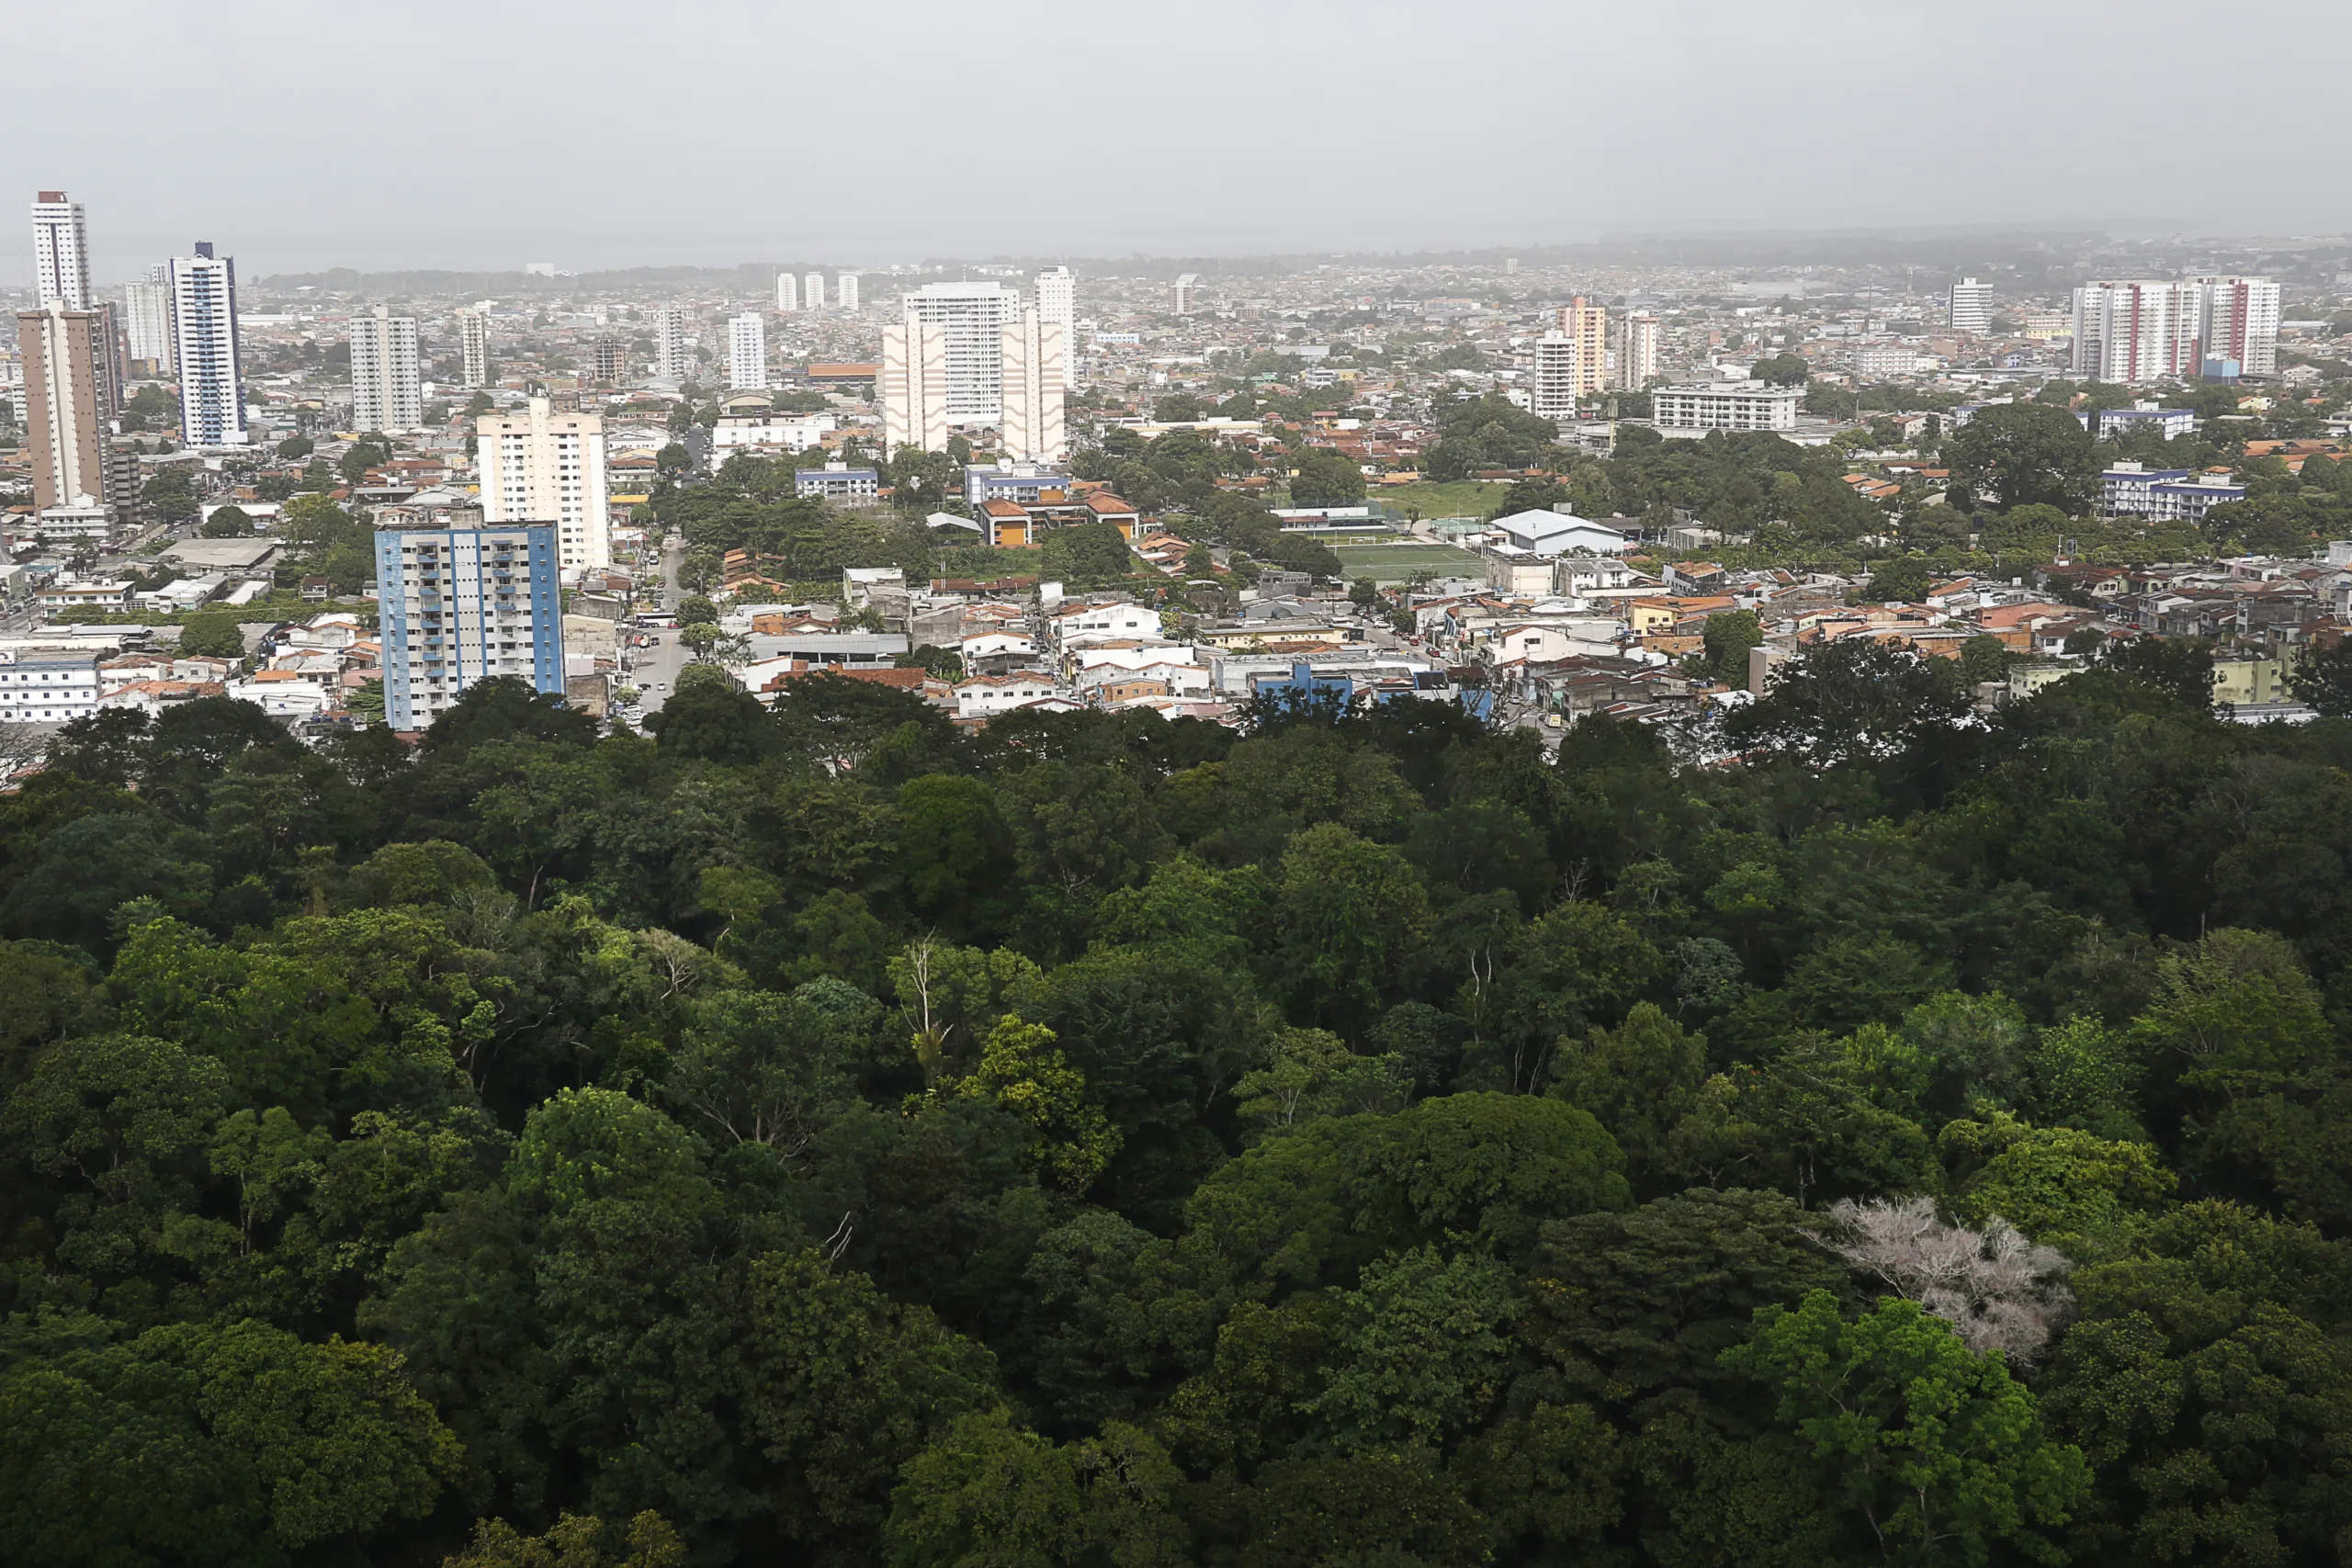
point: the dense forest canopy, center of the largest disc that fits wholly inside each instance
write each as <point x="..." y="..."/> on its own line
<point x="821" y="1136"/>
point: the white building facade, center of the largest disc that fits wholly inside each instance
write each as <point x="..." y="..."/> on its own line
<point x="2238" y="321"/>
<point x="473" y="330"/>
<point x="60" y="251"/>
<point x="1035" y="354"/>
<point x="1735" y="405"/>
<point x="2133" y="331"/>
<point x="1555" y="372"/>
<point x="670" y="344"/>
<point x="747" y="352"/>
<point x="147" y="319"/>
<point x="204" y="346"/>
<point x="1639" y="341"/>
<point x="543" y="466"/>
<point x="386" y="391"/>
<point x="971" y="318"/>
<point x="812" y="291"/>
<point x="845" y="291"/>
<point x="1970" y="307"/>
<point x="788" y="291"/>
<point x="913" y="386"/>
<point x="1056" y="290"/>
<point x="47" y="688"/>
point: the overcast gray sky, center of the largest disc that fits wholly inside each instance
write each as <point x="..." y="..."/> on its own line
<point x="302" y="134"/>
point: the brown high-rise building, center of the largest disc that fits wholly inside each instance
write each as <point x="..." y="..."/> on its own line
<point x="66" y="402"/>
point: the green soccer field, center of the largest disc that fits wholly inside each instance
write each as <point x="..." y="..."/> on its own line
<point x="1395" y="563"/>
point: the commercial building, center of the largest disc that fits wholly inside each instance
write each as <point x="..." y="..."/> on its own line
<point x="205" y="343"/>
<point x="147" y="319"/>
<point x="788" y="291"/>
<point x="2238" y="321"/>
<point x="845" y="291"/>
<point x="1554" y="376"/>
<point x="386" y="391"/>
<point x="1733" y="405"/>
<point x="2133" y="331"/>
<point x="972" y="317"/>
<point x="544" y="467"/>
<point x="812" y="291"/>
<point x="1970" y="307"/>
<point x="1057" y="303"/>
<point x="61" y="251"/>
<point x="473" y="327"/>
<point x="42" y="687"/>
<point x="670" y="344"/>
<point x="1035" y="353"/>
<point x="747" y="352"/>
<point x="913" y="386"/>
<point x="1586" y="326"/>
<point x="458" y="605"/>
<point x="1639" y="343"/>
<point x="63" y="405"/>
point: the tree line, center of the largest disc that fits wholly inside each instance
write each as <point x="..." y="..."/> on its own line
<point x="820" y="1135"/>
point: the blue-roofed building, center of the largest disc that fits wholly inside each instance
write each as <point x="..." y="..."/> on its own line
<point x="2165" y="495"/>
<point x="458" y="605"/>
<point x="838" y="481"/>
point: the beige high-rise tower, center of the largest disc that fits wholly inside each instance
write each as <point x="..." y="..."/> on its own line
<point x="544" y="467"/>
<point x="1035" y="352"/>
<point x="64" y="405"/>
<point x="914" y="385"/>
<point x="1638" y="350"/>
<point x="1586" y="326"/>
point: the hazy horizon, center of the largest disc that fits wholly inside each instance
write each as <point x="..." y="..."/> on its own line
<point x="432" y="135"/>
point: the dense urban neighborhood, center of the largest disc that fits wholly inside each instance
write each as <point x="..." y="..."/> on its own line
<point x="1623" y="904"/>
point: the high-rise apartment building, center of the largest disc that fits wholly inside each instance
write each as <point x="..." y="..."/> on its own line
<point x="2238" y="321"/>
<point x="1057" y="303"/>
<point x="1183" y="294"/>
<point x="60" y="251"/>
<point x="1970" y="306"/>
<point x="845" y="291"/>
<point x="788" y="291"/>
<point x="972" y="317"/>
<point x="670" y="361"/>
<point x="1586" y="325"/>
<point x="1035" y="353"/>
<point x="1639" y="343"/>
<point x="460" y="604"/>
<point x="147" y="319"/>
<point x="913" y="385"/>
<point x="812" y="291"/>
<point x="2137" y="330"/>
<point x="386" y="391"/>
<point x="63" y="406"/>
<point x="544" y="467"/>
<point x="1556" y="375"/>
<point x="62" y="274"/>
<point x="747" y="352"/>
<point x="204" y="344"/>
<point x="473" y="328"/>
